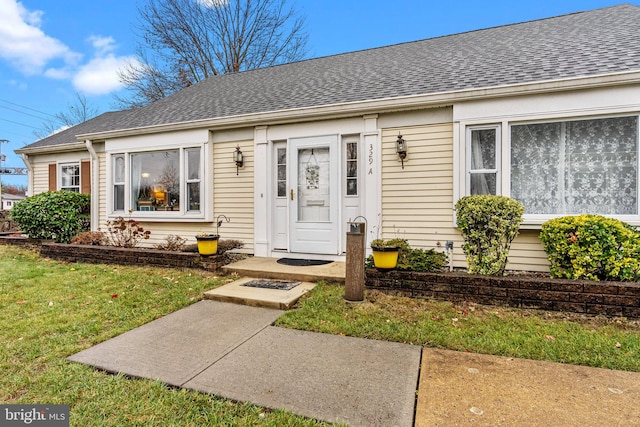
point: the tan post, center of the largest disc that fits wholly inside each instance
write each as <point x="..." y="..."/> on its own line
<point x="354" y="278"/>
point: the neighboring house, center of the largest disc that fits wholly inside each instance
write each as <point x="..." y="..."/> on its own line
<point x="8" y="200"/>
<point x="543" y="111"/>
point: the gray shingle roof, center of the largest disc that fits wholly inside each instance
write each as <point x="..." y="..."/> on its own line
<point x="589" y="43"/>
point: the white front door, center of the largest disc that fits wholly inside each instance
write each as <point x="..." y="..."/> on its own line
<point x="313" y="194"/>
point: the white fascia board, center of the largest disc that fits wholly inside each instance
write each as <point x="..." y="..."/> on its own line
<point x="59" y="148"/>
<point x="381" y="105"/>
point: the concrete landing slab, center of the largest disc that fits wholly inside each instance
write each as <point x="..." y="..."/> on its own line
<point x="466" y="389"/>
<point x="269" y="268"/>
<point x="175" y="348"/>
<point x="328" y="377"/>
<point x="235" y="292"/>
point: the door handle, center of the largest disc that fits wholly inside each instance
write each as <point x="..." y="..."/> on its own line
<point x="291" y="194"/>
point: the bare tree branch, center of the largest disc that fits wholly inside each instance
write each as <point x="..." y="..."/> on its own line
<point x="183" y="42"/>
<point x="77" y="112"/>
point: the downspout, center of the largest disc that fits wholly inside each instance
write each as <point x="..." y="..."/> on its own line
<point x="27" y="163"/>
<point x="95" y="176"/>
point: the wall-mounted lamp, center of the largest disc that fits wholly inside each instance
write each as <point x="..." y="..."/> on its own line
<point x="401" y="149"/>
<point x="238" y="158"/>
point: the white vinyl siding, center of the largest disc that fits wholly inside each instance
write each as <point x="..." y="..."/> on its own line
<point x="418" y="201"/>
<point x="233" y="193"/>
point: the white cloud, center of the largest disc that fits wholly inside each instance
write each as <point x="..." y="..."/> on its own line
<point x="26" y="47"/>
<point x="19" y="85"/>
<point x="100" y="75"/>
<point x="102" y="45"/>
<point x="24" y="44"/>
<point x="212" y="3"/>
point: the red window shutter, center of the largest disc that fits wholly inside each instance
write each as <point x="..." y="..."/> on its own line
<point x="53" y="177"/>
<point x="85" y="177"/>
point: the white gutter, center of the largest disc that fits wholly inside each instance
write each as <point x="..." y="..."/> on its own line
<point x="381" y="105"/>
<point x="95" y="187"/>
<point x="58" y="148"/>
<point x="27" y="163"/>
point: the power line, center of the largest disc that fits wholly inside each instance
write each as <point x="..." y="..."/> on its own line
<point x="21" y="124"/>
<point x="28" y="108"/>
<point x="32" y="115"/>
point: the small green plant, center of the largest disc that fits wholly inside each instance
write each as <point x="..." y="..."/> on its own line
<point x="125" y="233"/>
<point x="422" y="260"/>
<point x="592" y="247"/>
<point x="53" y="215"/>
<point x="410" y="259"/>
<point x="95" y="238"/>
<point x="488" y="225"/>
<point x="172" y="243"/>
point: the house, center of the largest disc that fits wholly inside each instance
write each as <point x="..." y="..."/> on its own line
<point x="8" y="200"/>
<point x="543" y="111"/>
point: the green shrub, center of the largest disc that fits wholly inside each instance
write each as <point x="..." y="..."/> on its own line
<point x="410" y="259"/>
<point x="53" y="215"/>
<point x="592" y="247"/>
<point x="488" y="225"/>
<point x="422" y="260"/>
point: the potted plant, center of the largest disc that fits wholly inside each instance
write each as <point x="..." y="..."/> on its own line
<point x="208" y="242"/>
<point x="385" y="253"/>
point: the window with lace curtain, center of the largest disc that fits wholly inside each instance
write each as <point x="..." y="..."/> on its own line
<point x="561" y="167"/>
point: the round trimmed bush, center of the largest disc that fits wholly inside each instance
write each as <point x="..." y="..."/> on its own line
<point x="53" y="215"/>
<point x="488" y="225"/>
<point x="592" y="247"/>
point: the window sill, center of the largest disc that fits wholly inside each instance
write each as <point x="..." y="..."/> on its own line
<point x="160" y="216"/>
<point x="536" y="223"/>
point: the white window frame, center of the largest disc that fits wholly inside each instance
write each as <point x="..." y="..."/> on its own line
<point x="115" y="183"/>
<point x="503" y="152"/>
<point x="357" y="161"/>
<point x="188" y="180"/>
<point x="77" y="188"/>
<point x="498" y="159"/>
<point x="183" y="214"/>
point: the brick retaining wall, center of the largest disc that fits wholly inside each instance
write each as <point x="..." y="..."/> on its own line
<point x="128" y="256"/>
<point x="114" y="255"/>
<point x="579" y="296"/>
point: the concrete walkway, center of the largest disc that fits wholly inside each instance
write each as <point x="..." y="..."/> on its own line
<point x="232" y="351"/>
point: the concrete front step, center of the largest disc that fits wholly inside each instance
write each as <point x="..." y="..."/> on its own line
<point x="236" y="293"/>
<point x="268" y="268"/>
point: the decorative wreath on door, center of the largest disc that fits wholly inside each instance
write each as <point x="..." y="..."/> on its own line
<point x="312" y="172"/>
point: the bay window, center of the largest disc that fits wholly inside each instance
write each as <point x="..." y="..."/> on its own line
<point x="158" y="181"/>
<point x="554" y="168"/>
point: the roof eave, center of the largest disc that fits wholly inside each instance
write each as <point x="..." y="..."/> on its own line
<point x="58" y="148"/>
<point x="380" y="105"/>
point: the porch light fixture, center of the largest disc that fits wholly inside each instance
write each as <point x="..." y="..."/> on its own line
<point x="401" y="149"/>
<point x="238" y="158"/>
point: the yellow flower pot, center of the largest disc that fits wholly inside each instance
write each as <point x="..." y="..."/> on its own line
<point x="208" y="245"/>
<point x="385" y="257"/>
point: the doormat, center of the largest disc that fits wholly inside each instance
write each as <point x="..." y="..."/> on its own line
<point x="271" y="284"/>
<point x="302" y="262"/>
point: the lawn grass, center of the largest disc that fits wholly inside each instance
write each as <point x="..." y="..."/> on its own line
<point x="51" y="310"/>
<point x="558" y="337"/>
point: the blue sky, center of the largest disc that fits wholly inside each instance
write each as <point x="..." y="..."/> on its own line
<point x="50" y="50"/>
